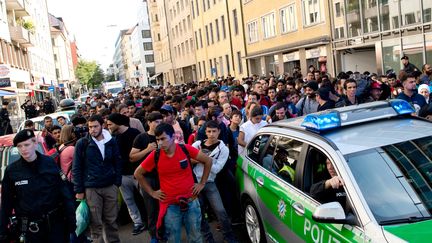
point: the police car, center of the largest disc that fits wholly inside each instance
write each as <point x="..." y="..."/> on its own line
<point x="382" y="155"/>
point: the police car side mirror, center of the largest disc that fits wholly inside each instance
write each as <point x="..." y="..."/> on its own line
<point x="332" y="212"/>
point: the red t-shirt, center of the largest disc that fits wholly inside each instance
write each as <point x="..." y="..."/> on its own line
<point x="174" y="181"/>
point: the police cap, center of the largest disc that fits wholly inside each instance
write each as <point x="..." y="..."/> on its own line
<point x="22" y="136"/>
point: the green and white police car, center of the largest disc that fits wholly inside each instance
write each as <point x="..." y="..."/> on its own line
<point x="382" y="155"/>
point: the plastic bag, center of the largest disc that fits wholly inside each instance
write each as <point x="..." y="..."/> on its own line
<point x="82" y="215"/>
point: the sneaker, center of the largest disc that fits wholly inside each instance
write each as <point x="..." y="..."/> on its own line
<point x="154" y="240"/>
<point x="138" y="229"/>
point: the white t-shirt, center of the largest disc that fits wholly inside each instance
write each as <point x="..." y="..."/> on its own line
<point x="249" y="129"/>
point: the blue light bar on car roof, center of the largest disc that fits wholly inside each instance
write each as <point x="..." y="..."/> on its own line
<point x="322" y="121"/>
<point x="402" y="107"/>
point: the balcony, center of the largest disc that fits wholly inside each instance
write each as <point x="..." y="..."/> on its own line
<point x="19" y="7"/>
<point x="21" y="36"/>
<point x="371" y="12"/>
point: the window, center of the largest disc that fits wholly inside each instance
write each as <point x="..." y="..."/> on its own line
<point x="257" y="147"/>
<point x="189" y="24"/>
<point x="338" y="9"/>
<point x="200" y="36"/>
<point x="211" y="63"/>
<point x="223" y="26"/>
<point x="208" y="4"/>
<point x="146" y="34"/>
<point x="204" y="68"/>
<point x="410" y="18"/>
<point x="199" y="69"/>
<point x="197" y="8"/>
<point x="182" y="4"/>
<point x="196" y="40"/>
<point x="191" y="44"/>
<point x="252" y="31"/>
<point x="228" y="64"/>
<point x="217" y="30"/>
<point x="158" y="36"/>
<point x="339" y="33"/>
<point x="235" y="18"/>
<point x="288" y="19"/>
<point x="211" y="33"/>
<point x="269" y="25"/>
<point x="285" y="158"/>
<point x="204" y="5"/>
<point x="239" y="60"/>
<point x="193" y="9"/>
<point x="149" y="58"/>
<point x="156" y="18"/>
<point x="148" y="46"/>
<point x="207" y="35"/>
<point x="311" y="12"/>
<point x="183" y="49"/>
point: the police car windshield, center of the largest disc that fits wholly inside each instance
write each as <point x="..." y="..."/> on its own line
<point x="396" y="180"/>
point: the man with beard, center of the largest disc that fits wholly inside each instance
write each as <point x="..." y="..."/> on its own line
<point x="410" y="94"/>
<point x="96" y="173"/>
<point x="426" y="77"/>
<point x="118" y="127"/>
<point x="308" y="103"/>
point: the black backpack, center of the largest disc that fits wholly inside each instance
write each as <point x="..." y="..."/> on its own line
<point x="185" y="151"/>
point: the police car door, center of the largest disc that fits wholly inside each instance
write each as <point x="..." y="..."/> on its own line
<point x="314" y="170"/>
<point x="276" y="189"/>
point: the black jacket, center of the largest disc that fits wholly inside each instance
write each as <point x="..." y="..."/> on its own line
<point x="90" y="170"/>
<point x="34" y="189"/>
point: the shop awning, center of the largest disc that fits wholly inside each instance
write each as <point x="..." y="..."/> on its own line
<point x="17" y="90"/>
<point x="6" y="93"/>
<point x="155" y="76"/>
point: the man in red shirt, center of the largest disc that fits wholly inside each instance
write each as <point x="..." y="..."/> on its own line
<point x="178" y="189"/>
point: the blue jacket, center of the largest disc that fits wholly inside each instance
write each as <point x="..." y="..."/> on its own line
<point x="90" y="170"/>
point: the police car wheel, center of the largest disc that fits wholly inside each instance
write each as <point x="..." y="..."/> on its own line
<point x="253" y="223"/>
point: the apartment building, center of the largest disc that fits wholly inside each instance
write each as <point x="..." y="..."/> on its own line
<point x="64" y="68"/>
<point x="41" y="53"/>
<point x="283" y="35"/>
<point x="182" y="44"/>
<point x="161" y="43"/>
<point x="373" y="35"/>
<point x="219" y="39"/>
<point x="119" y="65"/>
<point x="142" y="46"/>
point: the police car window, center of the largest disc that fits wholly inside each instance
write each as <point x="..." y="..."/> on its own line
<point x="256" y="147"/>
<point x="285" y="158"/>
<point x="267" y="159"/>
<point x="396" y="180"/>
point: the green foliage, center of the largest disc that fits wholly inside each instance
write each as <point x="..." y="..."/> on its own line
<point x="27" y="24"/>
<point x="89" y="73"/>
<point x="110" y="78"/>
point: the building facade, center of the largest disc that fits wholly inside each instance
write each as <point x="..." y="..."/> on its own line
<point x="370" y="35"/>
<point x="219" y="39"/>
<point x="64" y="67"/>
<point x="281" y="36"/>
<point x="144" y="56"/>
<point x="119" y="68"/>
<point x="182" y="44"/>
<point x="161" y="43"/>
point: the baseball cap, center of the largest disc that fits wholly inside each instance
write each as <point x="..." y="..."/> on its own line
<point x="375" y="85"/>
<point x="167" y="108"/>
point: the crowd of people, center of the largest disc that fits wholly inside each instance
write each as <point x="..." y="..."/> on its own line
<point x="178" y="145"/>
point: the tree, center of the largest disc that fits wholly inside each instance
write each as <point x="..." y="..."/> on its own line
<point x="89" y="73"/>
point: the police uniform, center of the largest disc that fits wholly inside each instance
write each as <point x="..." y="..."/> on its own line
<point x="42" y="204"/>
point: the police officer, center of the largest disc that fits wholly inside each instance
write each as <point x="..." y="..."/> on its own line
<point x="34" y="190"/>
<point x="29" y="110"/>
<point x="5" y="127"/>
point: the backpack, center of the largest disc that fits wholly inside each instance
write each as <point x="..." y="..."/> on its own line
<point x="185" y="151"/>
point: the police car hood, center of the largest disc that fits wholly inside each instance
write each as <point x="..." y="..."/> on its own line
<point x="413" y="232"/>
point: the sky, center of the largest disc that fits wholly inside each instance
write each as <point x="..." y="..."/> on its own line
<point x="95" y="24"/>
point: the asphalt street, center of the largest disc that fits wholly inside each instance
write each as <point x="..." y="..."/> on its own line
<point x="126" y="234"/>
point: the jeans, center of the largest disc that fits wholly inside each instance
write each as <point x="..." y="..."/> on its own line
<point x="174" y="220"/>
<point x="211" y="192"/>
<point x="127" y="191"/>
<point x="103" y="213"/>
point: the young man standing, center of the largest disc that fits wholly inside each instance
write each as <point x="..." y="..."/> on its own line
<point x="178" y="190"/>
<point x="118" y="127"/>
<point x="219" y="153"/>
<point x="410" y="94"/>
<point x="143" y="145"/>
<point x="96" y="172"/>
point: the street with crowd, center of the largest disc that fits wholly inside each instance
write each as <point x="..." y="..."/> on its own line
<point x="170" y="152"/>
